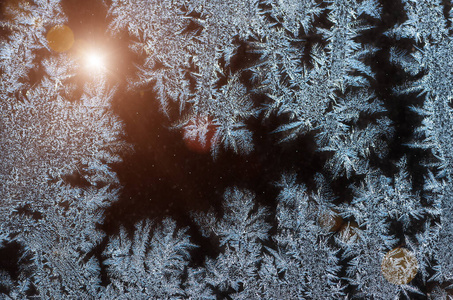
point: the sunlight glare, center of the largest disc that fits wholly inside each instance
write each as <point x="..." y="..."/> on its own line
<point x="94" y="61"/>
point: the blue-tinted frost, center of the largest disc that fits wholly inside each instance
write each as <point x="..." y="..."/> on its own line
<point x="306" y="72"/>
<point x="430" y="61"/>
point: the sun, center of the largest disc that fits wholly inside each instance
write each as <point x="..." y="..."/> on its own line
<point x="94" y="61"/>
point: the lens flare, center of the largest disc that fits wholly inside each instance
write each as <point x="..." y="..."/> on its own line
<point x="399" y="266"/>
<point x="60" y="38"/>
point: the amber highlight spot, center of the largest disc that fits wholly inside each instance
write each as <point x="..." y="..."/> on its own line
<point x="199" y="133"/>
<point x="330" y="221"/>
<point x="349" y="232"/>
<point x="60" y="38"/>
<point x="399" y="266"/>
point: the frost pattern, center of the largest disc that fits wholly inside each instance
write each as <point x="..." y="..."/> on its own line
<point x="47" y="137"/>
<point x="185" y="65"/>
<point x="301" y="265"/>
<point x="377" y="202"/>
<point x="147" y="266"/>
<point x="328" y="91"/>
<point x="240" y="231"/>
<point x="294" y="15"/>
<point x="27" y="23"/>
<point x="56" y="148"/>
<point x="309" y="264"/>
<point x="429" y="61"/>
<point x="44" y="140"/>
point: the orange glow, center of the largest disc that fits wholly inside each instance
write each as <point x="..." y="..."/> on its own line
<point x="399" y="266"/>
<point x="330" y="221"/>
<point x="60" y="38"/>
